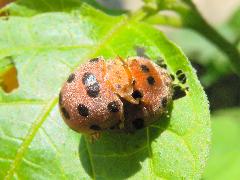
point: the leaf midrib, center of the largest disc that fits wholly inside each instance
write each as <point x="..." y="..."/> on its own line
<point x="29" y="137"/>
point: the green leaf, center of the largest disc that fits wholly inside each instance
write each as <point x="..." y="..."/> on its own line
<point x="224" y="161"/>
<point x="5" y="65"/>
<point x="36" y="143"/>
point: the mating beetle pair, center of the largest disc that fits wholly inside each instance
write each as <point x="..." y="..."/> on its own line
<point x="117" y="95"/>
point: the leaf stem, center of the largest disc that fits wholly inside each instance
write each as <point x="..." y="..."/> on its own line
<point x="163" y="19"/>
<point x="191" y="18"/>
<point x="223" y="44"/>
<point x="194" y="20"/>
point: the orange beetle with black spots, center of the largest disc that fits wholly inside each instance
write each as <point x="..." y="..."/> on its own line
<point x="119" y="95"/>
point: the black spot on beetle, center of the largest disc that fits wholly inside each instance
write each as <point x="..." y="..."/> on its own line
<point x="89" y="79"/>
<point x="94" y="60"/>
<point x="83" y="110"/>
<point x="95" y="127"/>
<point x="91" y="83"/>
<point x="93" y="90"/>
<point x="172" y="77"/>
<point x="144" y="68"/>
<point x="151" y="80"/>
<point x="118" y="86"/>
<point x="113" y="106"/>
<point x="138" y="123"/>
<point x="134" y="82"/>
<point x="164" y="102"/>
<point x="71" y="78"/>
<point x="137" y="94"/>
<point x="178" y="92"/>
<point x="65" y="113"/>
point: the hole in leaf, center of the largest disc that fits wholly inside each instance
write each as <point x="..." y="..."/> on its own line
<point x="5" y="2"/>
<point x="5" y="14"/>
<point x="8" y="75"/>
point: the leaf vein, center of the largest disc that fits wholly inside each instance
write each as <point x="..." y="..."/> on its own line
<point x="149" y="152"/>
<point x="29" y="137"/>
<point x="54" y="147"/>
<point x="5" y="159"/>
<point x="33" y="164"/>
<point x="90" y="158"/>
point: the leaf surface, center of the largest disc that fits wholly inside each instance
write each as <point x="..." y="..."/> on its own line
<point x="224" y="159"/>
<point x="35" y="142"/>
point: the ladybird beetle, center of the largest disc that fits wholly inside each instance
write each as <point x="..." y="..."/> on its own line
<point x="121" y="95"/>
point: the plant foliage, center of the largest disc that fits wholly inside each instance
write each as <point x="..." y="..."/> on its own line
<point x="46" y="42"/>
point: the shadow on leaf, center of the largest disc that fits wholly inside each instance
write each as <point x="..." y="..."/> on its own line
<point x="119" y="155"/>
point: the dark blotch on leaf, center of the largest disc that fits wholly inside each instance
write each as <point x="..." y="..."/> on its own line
<point x="83" y="110"/>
